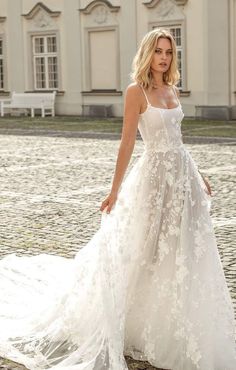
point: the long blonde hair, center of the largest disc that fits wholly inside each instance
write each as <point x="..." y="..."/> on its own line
<point x="141" y="66"/>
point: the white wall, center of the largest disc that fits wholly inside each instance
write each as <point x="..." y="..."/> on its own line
<point x="209" y="37"/>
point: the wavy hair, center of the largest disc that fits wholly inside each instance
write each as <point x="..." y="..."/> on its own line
<point x="141" y="66"/>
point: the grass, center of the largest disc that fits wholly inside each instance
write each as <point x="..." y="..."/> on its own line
<point x="62" y="123"/>
<point x="190" y="127"/>
<point x="198" y="127"/>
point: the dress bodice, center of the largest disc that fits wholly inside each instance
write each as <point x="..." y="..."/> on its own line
<point x="160" y="128"/>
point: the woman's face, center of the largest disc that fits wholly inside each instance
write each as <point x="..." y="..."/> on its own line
<point x="163" y="56"/>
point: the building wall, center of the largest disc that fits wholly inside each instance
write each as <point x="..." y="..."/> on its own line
<point x="97" y="40"/>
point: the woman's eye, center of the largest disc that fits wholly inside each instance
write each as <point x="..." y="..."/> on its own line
<point x="158" y="51"/>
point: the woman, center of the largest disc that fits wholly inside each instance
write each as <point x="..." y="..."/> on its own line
<point x="150" y="283"/>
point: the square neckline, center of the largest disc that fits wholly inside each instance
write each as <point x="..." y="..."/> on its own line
<point x="178" y="105"/>
<point x="152" y="106"/>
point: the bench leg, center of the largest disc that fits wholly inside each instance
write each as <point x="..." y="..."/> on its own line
<point x="32" y="112"/>
<point x="43" y="112"/>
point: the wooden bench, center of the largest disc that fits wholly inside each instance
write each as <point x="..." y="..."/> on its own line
<point x="42" y="101"/>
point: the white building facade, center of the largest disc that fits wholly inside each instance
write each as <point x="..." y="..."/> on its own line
<point x="84" y="49"/>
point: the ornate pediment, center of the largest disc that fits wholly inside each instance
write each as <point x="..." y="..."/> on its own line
<point x="164" y="10"/>
<point x="41" y="17"/>
<point x="153" y="3"/>
<point x="102" y="4"/>
<point x="100" y="13"/>
<point x="41" y="8"/>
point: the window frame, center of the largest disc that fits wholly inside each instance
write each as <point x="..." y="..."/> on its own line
<point x="87" y="57"/>
<point x="46" y="55"/>
<point x="182" y="49"/>
<point x="2" y="58"/>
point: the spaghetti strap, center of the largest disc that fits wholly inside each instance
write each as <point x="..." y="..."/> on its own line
<point x="173" y="86"/>
<point x="145" y="95"/>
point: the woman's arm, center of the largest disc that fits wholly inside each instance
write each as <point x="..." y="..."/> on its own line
<point x="132" y="106"/>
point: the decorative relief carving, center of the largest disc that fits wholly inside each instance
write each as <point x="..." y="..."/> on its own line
<point x="100" y="14"/>
<point x="41" y="17"/>
<point x="153" y="3"/>
<point x="42" y="20"/>
<point x="94" y="4"/>
<point x="163" y="10"/>
<point x="166" y="9"/>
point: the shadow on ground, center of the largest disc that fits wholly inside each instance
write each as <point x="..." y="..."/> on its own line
<point x="132" y="365"/>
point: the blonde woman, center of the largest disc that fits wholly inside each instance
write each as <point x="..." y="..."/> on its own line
<point x="150" y="283"/>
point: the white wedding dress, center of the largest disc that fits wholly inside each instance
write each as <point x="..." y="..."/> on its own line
<point x="149" y="284"/>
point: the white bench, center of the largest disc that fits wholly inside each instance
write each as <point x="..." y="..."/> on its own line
<point x="43" y="101"/>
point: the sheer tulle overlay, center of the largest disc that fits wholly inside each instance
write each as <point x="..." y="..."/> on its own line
<point x="149" y="284"/>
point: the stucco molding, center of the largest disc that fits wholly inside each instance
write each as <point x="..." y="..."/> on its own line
<point x="2" y="24"/>
<point x="41" y="7"/>
<point x="166" y="11"/>
<point x="151" y="3"/>
<point x="90" y="7"/>
<point x="154" y="3"/>
<point x="181" y="2"/>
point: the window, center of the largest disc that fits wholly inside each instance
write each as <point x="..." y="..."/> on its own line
<point x="177" y="33"/>
<point x="1" y="66"/>
<point x="45" y="61"/>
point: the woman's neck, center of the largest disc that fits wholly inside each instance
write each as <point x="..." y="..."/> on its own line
<point x="157" y="79"/>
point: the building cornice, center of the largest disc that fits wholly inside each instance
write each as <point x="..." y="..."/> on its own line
<point x="40" y="6"/>
<point x="101" y="93"/>
<point x="89" y="8"/>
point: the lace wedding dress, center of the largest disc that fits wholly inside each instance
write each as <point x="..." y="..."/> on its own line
<point x="149" y="284"/>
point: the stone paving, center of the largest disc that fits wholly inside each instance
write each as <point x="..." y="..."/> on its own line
<point x="51" y="189"/>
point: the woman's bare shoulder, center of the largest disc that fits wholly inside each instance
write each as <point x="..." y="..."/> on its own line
<point x="133" y="88"/>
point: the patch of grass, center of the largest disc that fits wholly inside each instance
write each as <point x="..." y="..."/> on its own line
<point x="191" y="127"/>
<point x="196" y="127"/>
<point x="62" y="123"/>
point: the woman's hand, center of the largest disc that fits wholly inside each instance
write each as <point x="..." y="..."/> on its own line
<point x="206" y="181"/>
<point x="109" y="202"/>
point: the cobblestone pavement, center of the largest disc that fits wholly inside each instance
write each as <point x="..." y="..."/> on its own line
<point x="51" y="189"/>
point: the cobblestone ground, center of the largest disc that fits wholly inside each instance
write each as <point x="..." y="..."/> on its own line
<point x="51" y="190"/>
